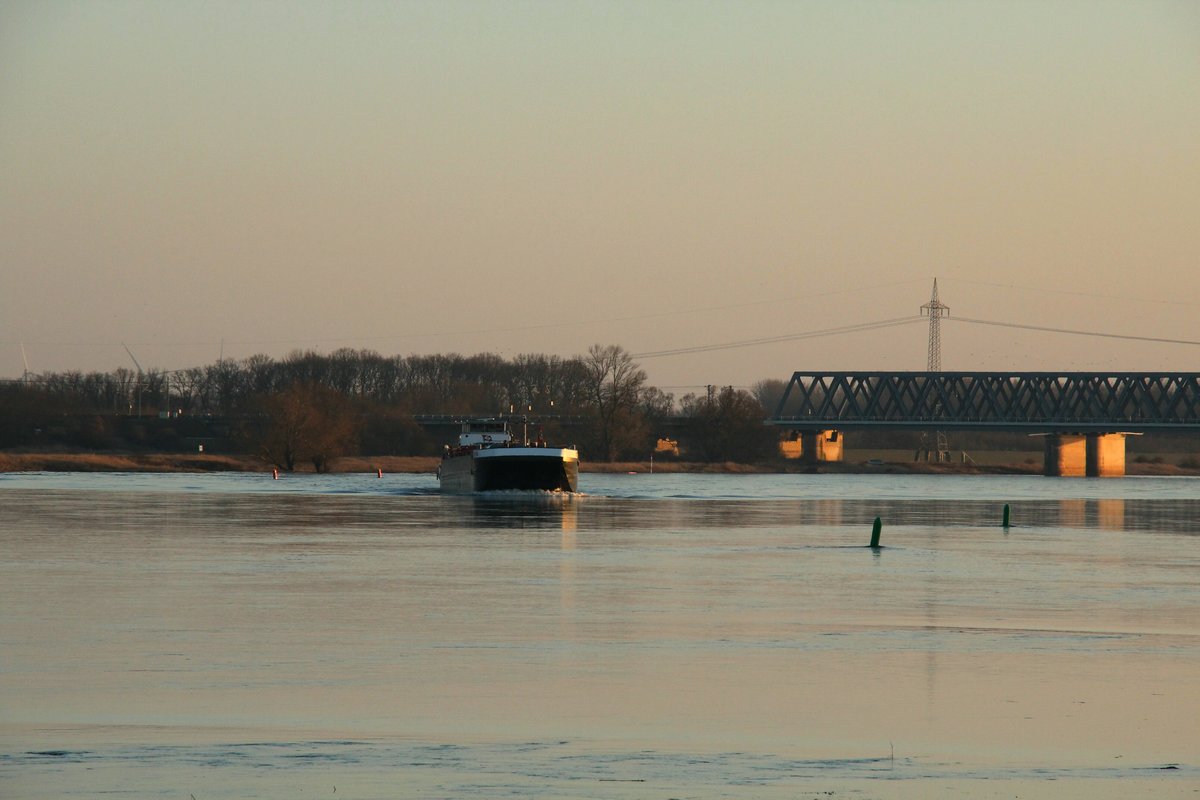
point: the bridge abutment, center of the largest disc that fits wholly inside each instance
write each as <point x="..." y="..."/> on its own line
<point x="1077" y="455"/>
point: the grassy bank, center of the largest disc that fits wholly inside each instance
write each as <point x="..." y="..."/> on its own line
<point x="119" y="462"/>
<point x="192" y="462"/>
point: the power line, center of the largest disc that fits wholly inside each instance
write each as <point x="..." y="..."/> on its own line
<point x="704" y="348"/>
<point x="1123" y="298"/>
<point x="1044" y="329"/>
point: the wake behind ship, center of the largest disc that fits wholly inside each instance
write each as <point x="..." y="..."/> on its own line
<point x="487" y="458"/>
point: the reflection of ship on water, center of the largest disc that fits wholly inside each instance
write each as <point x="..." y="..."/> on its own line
<point x="525" y="510"/>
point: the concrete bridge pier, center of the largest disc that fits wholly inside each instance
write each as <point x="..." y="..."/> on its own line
<point x="814" y="447"/>
<point x="1106" y="455"/>
<point x="1076" y="455"/>
<point x="821" y="445"/>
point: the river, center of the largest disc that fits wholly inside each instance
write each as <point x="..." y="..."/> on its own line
<point x="667" y="636"/>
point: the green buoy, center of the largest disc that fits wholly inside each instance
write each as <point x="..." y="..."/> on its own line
<point x="875" y="531"/>
<point x="1005" y="523"/>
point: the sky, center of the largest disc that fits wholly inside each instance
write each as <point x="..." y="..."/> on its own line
<point x="197" y="180"/>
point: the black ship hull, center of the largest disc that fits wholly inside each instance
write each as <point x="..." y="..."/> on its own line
<point x="511" y="469"/>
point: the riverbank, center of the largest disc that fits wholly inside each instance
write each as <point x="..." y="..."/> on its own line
<point x="203" y="462"/>
<point x="194" y="462"/>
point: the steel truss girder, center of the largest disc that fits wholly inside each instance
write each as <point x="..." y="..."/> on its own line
<point x="1033" y="401"/>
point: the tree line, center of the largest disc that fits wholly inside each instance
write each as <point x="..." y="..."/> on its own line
<point x="315" y="407"/>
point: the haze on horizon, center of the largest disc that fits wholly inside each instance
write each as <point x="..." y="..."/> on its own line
<point x="207" y="179"/>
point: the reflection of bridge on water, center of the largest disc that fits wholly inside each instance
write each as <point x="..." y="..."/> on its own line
<point x="586" y="520"/>
<point x="1084" y="417"/>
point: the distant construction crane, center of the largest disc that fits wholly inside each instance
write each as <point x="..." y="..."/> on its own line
<point x="935" y="309"/>
<point x="139" y="378"/>
<point x="26" y="374"/>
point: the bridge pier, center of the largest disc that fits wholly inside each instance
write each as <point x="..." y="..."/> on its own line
<point x="1066" y="455"/>
<point x="1106" y="455"/>
<point x="826" y="445"/>
<point x="1076" y="455"/>
<point x="814" y="447"/>
<point x="1107" y="405"/>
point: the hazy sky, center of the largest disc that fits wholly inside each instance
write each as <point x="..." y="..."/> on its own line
<point x="523" y="177"/>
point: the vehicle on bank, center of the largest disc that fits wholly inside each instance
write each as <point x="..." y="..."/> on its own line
<point x="488" y="458"/>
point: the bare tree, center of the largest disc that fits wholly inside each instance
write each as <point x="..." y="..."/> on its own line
<point x="306" y="422"/>
<point x="614" y="386"/>
<point x="259" y="374"/>
<point x="768" y="392"/>
<point x="727" y="425"/>
<point x="189" y="384"/>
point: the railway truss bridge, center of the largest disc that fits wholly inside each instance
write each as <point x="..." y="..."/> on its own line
<point x="1083" y="417"/>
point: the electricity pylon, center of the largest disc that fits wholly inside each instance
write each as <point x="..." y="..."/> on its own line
<point x="935" y="309"/>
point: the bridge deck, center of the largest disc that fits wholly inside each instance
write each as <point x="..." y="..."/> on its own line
<point x="1046" y="402"/>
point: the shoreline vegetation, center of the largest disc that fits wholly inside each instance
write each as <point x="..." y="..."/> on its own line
<point x="204" y="462"/>
<point x="322" y="412"/>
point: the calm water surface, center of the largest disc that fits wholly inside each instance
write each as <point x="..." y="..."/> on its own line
<point x="230" y="636"/>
